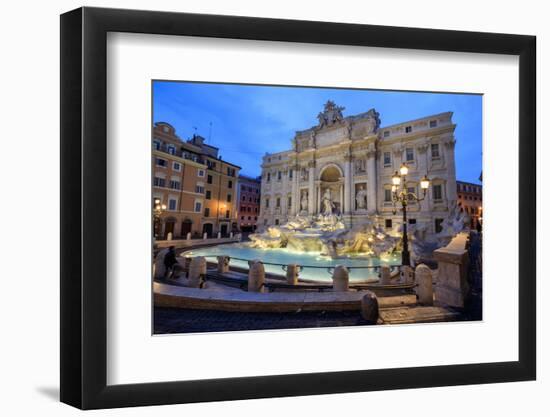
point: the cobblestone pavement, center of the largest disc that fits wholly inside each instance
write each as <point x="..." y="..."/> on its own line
<point x="177" y="320"/>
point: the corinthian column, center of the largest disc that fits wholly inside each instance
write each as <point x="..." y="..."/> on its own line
<point x="311" y="194"/>
<point x="371" y="181"/>
<point x="451" y="170"/>
<point x="423" y="170"/>
<point x="347" y="184"/>
<point x="295" y="196"/>
<point x="284" y="196"/>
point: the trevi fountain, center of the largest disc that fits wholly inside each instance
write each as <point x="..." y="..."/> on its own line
<point x="319" y="243"/>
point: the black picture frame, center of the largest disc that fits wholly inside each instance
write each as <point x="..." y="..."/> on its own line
<point x="84" y="207"/>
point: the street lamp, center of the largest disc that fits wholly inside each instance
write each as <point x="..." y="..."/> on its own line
<point x="403" y="196"/>
<point x="158" y="208"/>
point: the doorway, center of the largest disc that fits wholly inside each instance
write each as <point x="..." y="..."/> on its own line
<point x="223" y="229"/>
<point x="207" y="228"/>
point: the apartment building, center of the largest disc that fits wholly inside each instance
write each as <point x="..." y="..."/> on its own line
<point x="197" y="187"/>
<point x="249" y="203"/>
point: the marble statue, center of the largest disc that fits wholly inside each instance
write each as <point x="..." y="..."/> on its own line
<point x="327" y="203"/>
<point x="360" y="198"/>
<point x="330" y="115"/>
<point x="303" y="202"/>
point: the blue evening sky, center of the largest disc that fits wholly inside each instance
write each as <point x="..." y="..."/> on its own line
<point x="248" y="121"/>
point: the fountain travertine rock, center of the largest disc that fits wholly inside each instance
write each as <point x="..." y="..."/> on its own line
<point x="423" y="244"/>
<point x="327" y="234"/>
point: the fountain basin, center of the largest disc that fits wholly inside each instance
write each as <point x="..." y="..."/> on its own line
<point x="316" y="267"/>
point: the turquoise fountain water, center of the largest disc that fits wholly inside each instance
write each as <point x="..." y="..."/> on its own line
<point x="285" y="256"/>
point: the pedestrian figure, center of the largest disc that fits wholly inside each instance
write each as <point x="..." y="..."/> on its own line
<point x="169" y="262"/>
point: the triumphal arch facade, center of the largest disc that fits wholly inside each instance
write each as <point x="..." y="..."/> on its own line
<point x="345" y="164"/>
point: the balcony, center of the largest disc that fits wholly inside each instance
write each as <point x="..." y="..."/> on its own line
<point x="181" y="154"/>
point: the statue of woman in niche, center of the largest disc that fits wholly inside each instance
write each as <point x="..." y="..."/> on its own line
<point x="360" y="198"/>
<point x="303" y="202"/>
<point x="327" y="202"/>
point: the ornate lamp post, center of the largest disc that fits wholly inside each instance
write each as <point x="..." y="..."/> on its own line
<point x="158" y="208"/>
<point x="401" y="195"/>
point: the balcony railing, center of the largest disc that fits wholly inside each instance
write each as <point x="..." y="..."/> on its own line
<point x="181" y="154"/>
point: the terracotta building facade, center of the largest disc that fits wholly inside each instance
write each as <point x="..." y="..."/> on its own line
<point x="197" y="187"/>
<point x="470" y="200"/>
<point x="249" y="203"/>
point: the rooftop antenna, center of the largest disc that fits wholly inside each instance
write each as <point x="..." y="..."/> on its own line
<point x="210" y="134"/>
<point x="194" y="131"/>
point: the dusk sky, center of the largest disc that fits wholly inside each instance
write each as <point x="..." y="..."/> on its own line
<point x="248" y="121"/>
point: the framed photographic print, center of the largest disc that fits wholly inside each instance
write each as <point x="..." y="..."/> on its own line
<point x="258" y="208"/>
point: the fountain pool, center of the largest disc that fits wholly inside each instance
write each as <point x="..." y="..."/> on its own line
<point x="285" y="256"/>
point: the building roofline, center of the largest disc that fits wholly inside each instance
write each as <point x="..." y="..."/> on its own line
<point x="469" y="183"/>
<point x="416" y="120"/>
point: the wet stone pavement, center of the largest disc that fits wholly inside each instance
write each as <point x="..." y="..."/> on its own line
<point x="177" y="320"/>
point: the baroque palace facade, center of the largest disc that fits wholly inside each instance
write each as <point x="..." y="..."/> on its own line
<point x="352" y="159"/>
<point x="198" y="188"/>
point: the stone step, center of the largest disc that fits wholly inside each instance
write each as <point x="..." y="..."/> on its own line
<point x="418" y="314"/>
<point x="234" y="300"/>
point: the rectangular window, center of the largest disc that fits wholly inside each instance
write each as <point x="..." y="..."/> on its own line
<point x="199" y="189"/>
<point x="277" y="222"/>
<point x="278" y="203"/>
<point x="435" y="150"/>
<point x="412" y="221"/>
<point x="268" y="176"/>
<point x="289" y="202"/>
<point x="229" y="184"/>
<point x="411" y="190"/>
<point x="267" y="203"/>
<point x="172" y="204"/>
<point x="437" y="190"/>
<point x="209" y="179"/>
<point x="200" y="172"/>
<point x="227" y="214"/>
<point x="290" y="173"/>
<point x="159" y="182"/>
<point x="388" y="223"/>
<point x="409" y="154"/>
<point x="208" y="194"/>
<point x="156" y="144"/>
<point x="229" y="198"/>
<point x="433" y="123"/>
<point x="279" y="175"/>
<point x="176" y="166"/>
<point x="207" y="212"/>
<point x="161" y="162"/>
<point x="175" y="185"/>
<point x="386" y="133"/>
<point x="438" y="223"/>
<point x="171" y="149"/>
<point x="387" y="195"/>
<point x="387" y="159"/>
<point x="408" y="129"/>
<point x="198" y="206"/>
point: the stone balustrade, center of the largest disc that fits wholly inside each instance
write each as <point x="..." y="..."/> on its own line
<point x="292" y="271"/>
<point x="340" y="278"/>
<point x="424" y="288"/>
<point x="197" y="270"/>
<point x="452" y="285"/>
